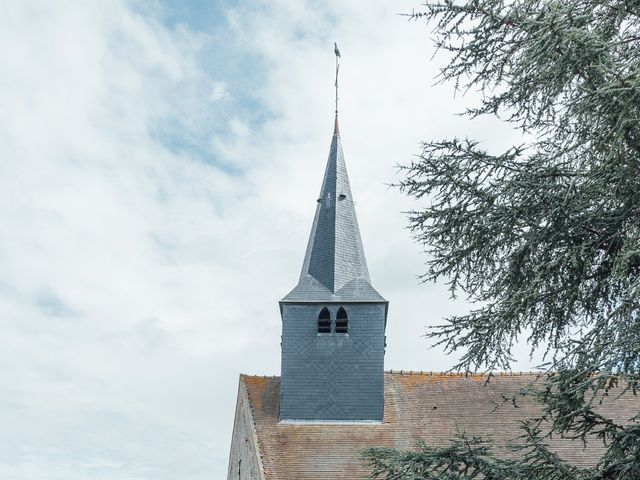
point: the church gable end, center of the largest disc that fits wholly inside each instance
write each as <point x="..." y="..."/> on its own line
<point x="245" y="462"/>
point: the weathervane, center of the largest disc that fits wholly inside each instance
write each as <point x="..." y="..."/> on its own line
<point x="337" y="52"/>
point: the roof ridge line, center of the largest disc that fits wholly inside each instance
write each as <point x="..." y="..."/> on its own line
<point x="461" y="374"/>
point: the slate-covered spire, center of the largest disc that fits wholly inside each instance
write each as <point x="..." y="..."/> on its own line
<point x="334" y="267"/>
<point x="333" y="321"/>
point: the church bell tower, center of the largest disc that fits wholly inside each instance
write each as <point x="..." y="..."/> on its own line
<point x="333" y="321"/>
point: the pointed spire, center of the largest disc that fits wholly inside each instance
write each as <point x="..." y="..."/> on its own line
<point x="335" y="254"/>
<point x="335" y="268"/>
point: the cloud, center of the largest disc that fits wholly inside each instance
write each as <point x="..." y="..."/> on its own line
<point x="104" y="248"/>
<point x="219" y="92"/>
<point x="157" y="186"/>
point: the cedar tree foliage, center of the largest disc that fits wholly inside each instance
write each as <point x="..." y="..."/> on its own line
<point x="544" y="238"/>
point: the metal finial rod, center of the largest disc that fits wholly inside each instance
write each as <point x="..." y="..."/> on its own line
<point x="337" y="52"/>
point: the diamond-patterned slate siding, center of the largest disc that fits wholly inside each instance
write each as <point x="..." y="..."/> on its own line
<point x="348" y="366"/>
<point x="422" y="406"/>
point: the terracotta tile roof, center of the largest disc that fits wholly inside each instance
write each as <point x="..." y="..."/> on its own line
<point x="428" y="406"/>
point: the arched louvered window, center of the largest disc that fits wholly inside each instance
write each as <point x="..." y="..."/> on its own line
<point x="324" y="321"/>
<point x="342" y="322"/>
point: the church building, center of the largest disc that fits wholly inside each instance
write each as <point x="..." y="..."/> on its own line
<point x="334" y="399"/>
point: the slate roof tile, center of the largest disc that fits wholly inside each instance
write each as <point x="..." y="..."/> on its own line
<point x="334" y="257"/>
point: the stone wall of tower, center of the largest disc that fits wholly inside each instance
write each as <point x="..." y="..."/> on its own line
<point x="332" y="376"/>
<point x="244" y="459"/>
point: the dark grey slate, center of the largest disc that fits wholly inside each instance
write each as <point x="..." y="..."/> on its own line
<point x="310" y="290"/>
<point x="329" y="376"/>
<point x="334" y="255"/>
<point x="333" y="376"/>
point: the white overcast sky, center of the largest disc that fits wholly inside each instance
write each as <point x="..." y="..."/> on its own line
<point x="159" y="165"/>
